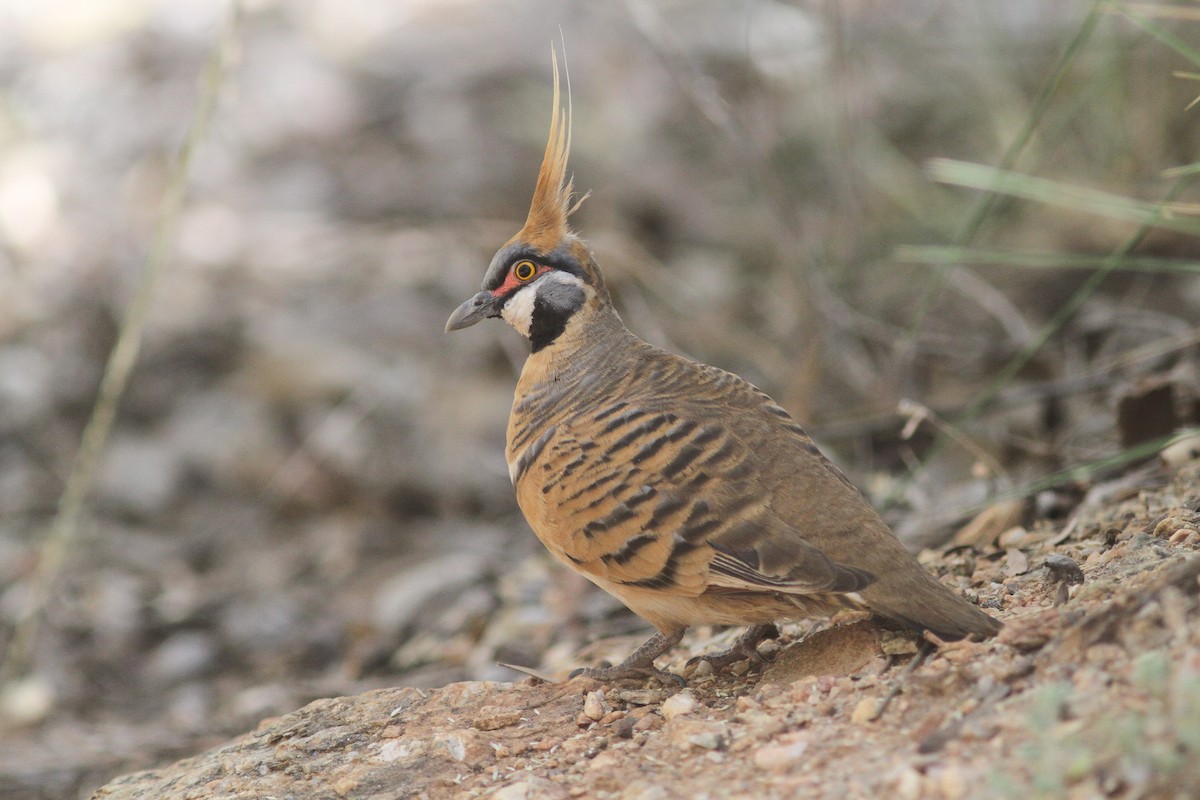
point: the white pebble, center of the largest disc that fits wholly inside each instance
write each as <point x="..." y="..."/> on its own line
<point x="678" y="705"/>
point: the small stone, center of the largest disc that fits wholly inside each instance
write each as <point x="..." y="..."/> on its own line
<point x="1032" y="632"/>
<point x="1064" y="569"/>
<point x="650" y="722"/>
<point x="1012" y="537"/>
<point x="531" y="788"/>
<point x="897" y="643"/>
<point x="908" y="786"/>
<point x="678" y="705"/>
<point x="456" y="745"/>
<point x="612" y="716"/>
<point x="1016" y="561"/>
<point x="401" y="750"/>
<point x="344" y="786"/>
<point x="746" y="703"/>
<point x="769" y="649"/>
<point x="625" y="728"/>
<point x="139" y="475"/>
<point x="493" y="719"/>
<point x="864" y="711"/>
<point x="952" y="783"/>
<point x="595" y="706"/>
<point x="604" y="761"/>
<point x="1182" y="451"/>
<point x="778" y="756"/>
<point x="639" y="697"/>
<point x="643" y="790"/>
<point x="990" y="523"/>
<point x="183" y="655"/>
<point x="703" y="669"/>
<point x="1181" y="535"/>
<point x="27" y="700"/>
<point x="688" y="733"/>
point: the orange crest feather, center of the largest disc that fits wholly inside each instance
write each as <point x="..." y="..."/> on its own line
<point x="546" y="227"/>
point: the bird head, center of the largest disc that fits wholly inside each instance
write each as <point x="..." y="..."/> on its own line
<point x="545" y="275"/>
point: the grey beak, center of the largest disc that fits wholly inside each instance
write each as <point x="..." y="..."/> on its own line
<point x="481" y="306"/>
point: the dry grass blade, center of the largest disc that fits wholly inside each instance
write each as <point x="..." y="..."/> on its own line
<point x="984" y="205"/>
<point x="936" y="254"/>
<point x="64" y="530"/>
<point x="1138" y="16"/>
<point x="1062" y="195"/>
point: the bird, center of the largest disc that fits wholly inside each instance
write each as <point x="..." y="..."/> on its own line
<point x="679" y="488"/>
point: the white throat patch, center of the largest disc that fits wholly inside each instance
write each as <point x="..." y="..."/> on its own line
<point x="518" y="311"/>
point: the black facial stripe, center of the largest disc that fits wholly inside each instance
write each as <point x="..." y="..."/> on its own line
<point x="552" y="308"/>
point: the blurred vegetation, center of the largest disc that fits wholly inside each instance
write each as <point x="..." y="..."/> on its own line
<point x="949" y="237"/>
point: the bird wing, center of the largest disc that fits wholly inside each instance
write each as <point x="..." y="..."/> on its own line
<point x="674" y="493"/>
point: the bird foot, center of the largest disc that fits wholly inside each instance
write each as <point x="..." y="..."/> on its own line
<point x="640" y="664"/>
<point x="745" y="648"/>
<point x="628" y="673"/>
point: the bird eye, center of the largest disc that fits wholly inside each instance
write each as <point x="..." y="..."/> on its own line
<point x="524" y="270"/>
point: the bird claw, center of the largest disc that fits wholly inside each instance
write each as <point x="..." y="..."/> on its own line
<point x="744" y="649"/>
<point x="624" y="673"/>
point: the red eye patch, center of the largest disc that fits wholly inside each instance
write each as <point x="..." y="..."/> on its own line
<point x="512" y="282"/>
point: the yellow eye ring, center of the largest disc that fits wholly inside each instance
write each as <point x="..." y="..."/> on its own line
<point x="524" y="270"/>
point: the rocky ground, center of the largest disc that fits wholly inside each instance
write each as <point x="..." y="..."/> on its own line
<point x="1092" y="689"/>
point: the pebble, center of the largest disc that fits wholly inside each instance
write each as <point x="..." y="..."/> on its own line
<point x="778" y="756"/>
<point x="639" y="697"/>
<point x="27" y="700"/>
<point x="595" y="707"/>
<point x="642" y="790"/>
<point x="1062" y="568"/>
<point x="186" y="654"/>
<point x="1012" y="537"/>
<point x="604" y="762"/>
<point x="1182" y="534"/>
<point x="897" y="643"/>
<point x="689" y="733"/>
<point x="678" y="705"/>
<point x="746" y="703"/>
<point x="625" y="727"/>
<point x="139" y="475"/>
<point x="1016" y="561"/>
<point x="864" y="711"/>
<point x="531" y="788"/>
<point x="491" y="719"/>
<point x="953" y="783"/>
<point x="908" y="786"/>
<point x="650" y="722"/>
<point x="1181" y="452"/>
<point x="399" y="601"/>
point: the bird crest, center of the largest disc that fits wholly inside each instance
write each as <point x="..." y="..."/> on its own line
<point x="546" y="227"/>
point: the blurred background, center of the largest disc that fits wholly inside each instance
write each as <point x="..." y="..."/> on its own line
<point x="305" y="493"/>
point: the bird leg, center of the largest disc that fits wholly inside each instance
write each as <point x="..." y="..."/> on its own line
<point x="640" y="663"/>
<point x="745" y="647"/>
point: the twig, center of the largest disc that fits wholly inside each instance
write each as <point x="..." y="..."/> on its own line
<point x="65" y="528"/>
<point x="923" y="651"/>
